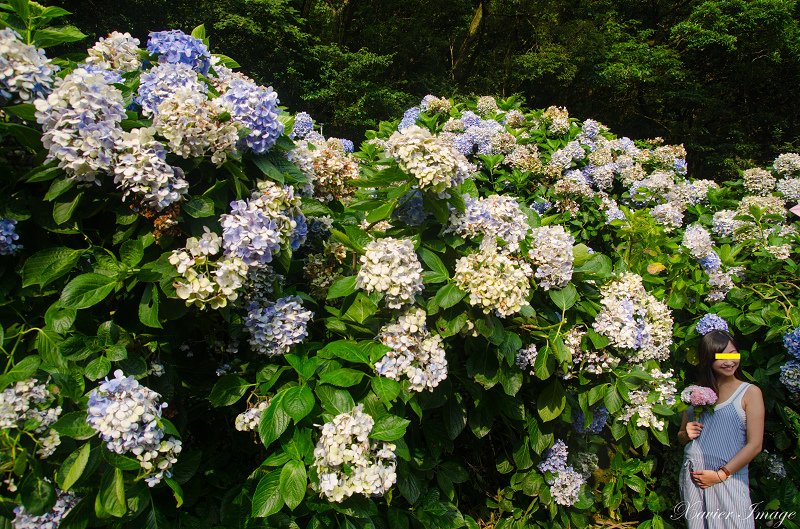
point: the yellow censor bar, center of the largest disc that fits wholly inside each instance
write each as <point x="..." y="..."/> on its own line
<point x="728" y="356"/>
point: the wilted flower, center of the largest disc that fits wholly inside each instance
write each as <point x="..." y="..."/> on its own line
<point x="117" y="52"/>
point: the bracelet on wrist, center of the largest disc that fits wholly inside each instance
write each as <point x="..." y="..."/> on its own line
<point x="727" y="472"/>
<point x="718" y="476"/>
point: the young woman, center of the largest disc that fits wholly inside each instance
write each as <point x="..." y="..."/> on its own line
<point x="714" y="481"/>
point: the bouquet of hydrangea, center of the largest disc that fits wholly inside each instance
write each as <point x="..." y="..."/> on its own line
<point x="702" y="398"/>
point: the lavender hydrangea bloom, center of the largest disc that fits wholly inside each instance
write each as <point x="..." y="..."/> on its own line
<point x="348" y="145"/>
<point x="555" y="458"/>
<point x="790" y="376"/>
<point x="470" y="119"/>
<point x="255" y="107"/>
<point x="250" y="233"/>
<point x="710" y="262"/>
<point x="8" y="236"/>
<point x="274" y="329"/>
<point x="541" y="206"/>
<point x="599" y="419"/>
<point x="300" y="232"/>
<point x="51" y="519"/>
<point x="175" y="46"/>
<point x="681" y="167"/>
<point x="591" y="128"/>
<point x="303" y="124"/>
<point x="162" y="81"/>
<point x="25" y="71"/>
<point x="791" y="340"/>
<point x="109" y="76"/>
<point x="409" y="118"/>
<point x="410" y="211"/>
<point x="711" y="322"/>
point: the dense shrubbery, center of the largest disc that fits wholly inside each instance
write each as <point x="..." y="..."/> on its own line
<point x="215" y="316"/>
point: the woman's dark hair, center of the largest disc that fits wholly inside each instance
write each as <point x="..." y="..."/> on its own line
<point x="711" y="345"/>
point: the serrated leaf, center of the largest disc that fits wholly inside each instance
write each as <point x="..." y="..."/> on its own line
<point x="389" y="428"/>
<point x="564" y="298"/>
<point x="87" y="290"/>
<point x="148" y="307"/>
<point x="111" y="495"/>
<point x="267" y="498"/>
<point x="63" y="210"/>
<point x="45" y="266"/>
<point x="298" y="402"/>
<point x="199" y="207"/>
<point x="343" y="377"/>
<point x="449" y="295"/>
<point x="293" y="483"/>
<point x="74" y="425"/>
<point x="38" y="496"/>
<point x="551" y="402"/>
<point x="342" y="287"/>
<point x="228" y="390"/>
<point x="98" y="368"/>
<point x="72" y="468"/>
<point x="274" y="421"/>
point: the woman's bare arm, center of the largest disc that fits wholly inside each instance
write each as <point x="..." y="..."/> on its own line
<point x="753" y="404"/>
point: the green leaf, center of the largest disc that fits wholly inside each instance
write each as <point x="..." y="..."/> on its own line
<point x="25" y="111"/>
<point x="177" y="491"/>
<point x="358" y="237"/>
<point x="449" y="295"/>
<point x="131" y="252"/>
<point x="98" y="368"/>
<point x="386" y="389"/>
<point x="59" y="319"/>
<point x="298" y="402"/>
<point x="361" y="309"/>
<point x="434" y="262"/>
<point x="38" y="496"/>
<point x="346" y="350"/>
<point x="21" y="8"/>
<point x="342" y="287"/>
<point x="199" y="207"/>
<point x="612" y="400"/>
<point x="274" y="421"/>
<point x="228" y="390"/>
<point x="293" y="483"/>
<point x="267" y="498"/>
<point x="22" y="370"/>
<point x="87" y="290"/>
<point x="119" y="461"/>
<point x="381" y="212"/>
<point x="199" y="32"/>
<point x="58" y="188"/>
<point x="334" y="400"/>
<point x="45" y="266"/>
<point x="27" y="136"/>
<point x="47" y="37"/>
<point x="74" y="425"/>
<point x="148" y="307"/>
<point x="72" y="468"/>
<point x="564" y="298"/>
<point x="389" y="428"/>
<point x="111" y="496"/>
<point x="63" y="210"/>
<point x="551" y="401"/>
<point x="343" y="377"/>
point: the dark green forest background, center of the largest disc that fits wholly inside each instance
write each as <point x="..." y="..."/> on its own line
<point x="720" y="76"/>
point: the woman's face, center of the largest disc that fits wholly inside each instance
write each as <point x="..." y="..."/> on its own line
<point x="726" y="368"/>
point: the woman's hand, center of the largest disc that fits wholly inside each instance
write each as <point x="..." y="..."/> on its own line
<point x="706" y="478"/>
<point x="693" y="429"/>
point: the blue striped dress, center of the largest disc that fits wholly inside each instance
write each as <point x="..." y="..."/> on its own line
<point x="725" y="505"/>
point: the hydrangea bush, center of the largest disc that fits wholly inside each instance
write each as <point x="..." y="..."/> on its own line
<point x="214" y="316"/>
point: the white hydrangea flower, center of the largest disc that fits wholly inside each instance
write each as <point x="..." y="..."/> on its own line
<point x="25" y="71"/>
<point x="724" y="224"/>
<point x="391" y="266"/>
<point x="495" y="280"/>
<point x="526" y="358"/>
<point x="787" y="164"/>
<point x="487" y="105"/>
<point x="495" y="216"/>
<point x="249" y="419"/>
<point x="698" y="241"/>
<point x="758" y="181"/>
<point x="669" y="215"/>
<point x="551" y="252"/>
<point x="663" y="384"/>
<point x="416" y="354"/>
<point x="436" y="164"/>
<point x="348" y="463"/>
<point x="789" y="188"/>
<point x="633" y="320"/>
<point x="29" y="406"/>
<point x="65" y="501"/>
<point x="557" y="119"/>
<point x="118" y="52"/>
<point x="329" y="168"/>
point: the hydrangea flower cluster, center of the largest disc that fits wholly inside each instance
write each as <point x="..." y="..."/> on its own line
<point x="634" y="320"/>
<point x="274" y="329"/>
<point x="161" y="82"/>
<point x="322" y="269"/>
<point x="483" y="137"/>
<point x="711" y="322"/>
<point x="248" y="420"/>
<point x="29" y="406"/>
<point x="584" y="463"/>
<point x="487" y="105"/>
<point x="526" y="359"/>
<point x="565" y="483"/>
<point x="698" y="241"/>
<point x="495" y="216"/>
<point x="791" y="340"/>
<point x="410" y="209"/>
<point x="8" y="237"/>
<point x="586" y="361"/>
<point x="256" y="229"/>
<point x="348" y="463"/>
<point x="127" y="416"/>
<point x="775" y="466"/>
<point x="721" y="282"/>
<point x="390" y="266"/>
<point x="787" y="164"/>
<point x="416" y="354"/>
<point x="599" y="420"/>
<point x="790" y="376"/>
<point x="435" y="105"/>
<point x="191" y="124"/>
<point x="495" y="280"/>
<point x="557" y="120"/>
<point x="255" y="107"/>
<point x="65" y="501"/>
<point x="663" y="385"/>
<point x="330" y="169"/>
<point x="116" y="52"/>
<point x="436" y="165"/>
<point x="700" y="397"/>
<point x="141" y="170"/>
<point x="205" y="282"/>
<point x="410" y="117"/>
<point x="758" y="181"/>
<point x="176" y="47"/>
<point x="303" y="125"/>
<point x="25" y="71"/>
<point x="80" y="120"/>
<point x="524" y="157"/>
<point x="551" y="252"/>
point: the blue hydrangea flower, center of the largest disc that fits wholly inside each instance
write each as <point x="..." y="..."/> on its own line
<point x="410" y="211"/>
<point x="790" y="376"/>
<point x="303" y="124"/>
<point x="681" y="167"/>
<point x="711" y="322"/>
<point x="109" y="76"/>
<point x="175" y="46"/>
<point x="409" y="118"/>
<point x="710" y="262"/>
<point x="348" y="145"/>
<point x="591" y="128"/>
<point x="8" y="236"/>
<point x="470" y="119"/>
<point x="555" y="458"/>
<point x="599" y="419"/>
<point x="791" y="340"/>
<point x="541" y="206"/>
<point x="274" y="329"/>
<point x="255" y="107"/>
<point x="162" y="81"/>
<point x="300" y="232"/>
